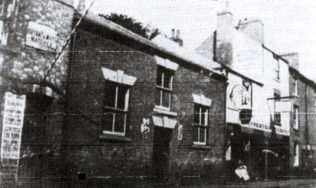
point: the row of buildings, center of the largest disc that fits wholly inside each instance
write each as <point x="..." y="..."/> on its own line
<point x="83" y="98"/>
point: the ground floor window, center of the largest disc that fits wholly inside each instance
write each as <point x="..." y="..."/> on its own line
<point x="296" y="155"/>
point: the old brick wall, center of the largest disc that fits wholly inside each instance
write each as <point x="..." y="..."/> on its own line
<point x="304" y="136"/>
<point x="187" y="159"/>
<point x="86" y="152"/>
<point x="22" y="70"/>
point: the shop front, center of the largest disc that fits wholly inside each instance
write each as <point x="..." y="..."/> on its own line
<point x="253" y="136"/>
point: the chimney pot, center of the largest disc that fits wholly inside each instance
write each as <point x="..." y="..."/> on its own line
<point x="172" y="33"/>
<point x="178" y="34"/>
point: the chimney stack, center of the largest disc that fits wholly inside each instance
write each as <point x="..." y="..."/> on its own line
<point x="176" y="37"/>
<point x="293" y="59"/>
<point x="224" y="37"/>
<point x="252" y="28"/>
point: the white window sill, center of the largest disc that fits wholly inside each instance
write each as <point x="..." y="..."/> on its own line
<point x="113" y="133"/>
<point x="295" y="95"/>
<point x="165" y="111"/>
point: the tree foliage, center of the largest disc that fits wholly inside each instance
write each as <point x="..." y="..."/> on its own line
<point x="131" y="24"/>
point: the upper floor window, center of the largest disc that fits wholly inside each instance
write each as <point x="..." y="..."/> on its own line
<point x="164" y="87"/>
<point x="116" y="101"/>
<point x="277" y="115"/>
<point x="276" y="68"/>
<point x="295" y="117"/>
<point x="115" y="108"/>
<point x="201" y="118"/>
<point x="165" y="73"/>
<point x="295" y="86"/>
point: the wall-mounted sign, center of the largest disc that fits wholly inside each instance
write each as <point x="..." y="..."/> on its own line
<point x="41" y="37"/>
<point x="266" y="128"/>
<point x="13" y="116"/>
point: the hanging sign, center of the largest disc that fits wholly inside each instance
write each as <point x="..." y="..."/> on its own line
<point x="12" y="126"/>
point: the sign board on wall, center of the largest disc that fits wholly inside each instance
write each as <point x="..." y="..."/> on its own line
<point x="41" y="37"/>
<point x="13" y="117"/>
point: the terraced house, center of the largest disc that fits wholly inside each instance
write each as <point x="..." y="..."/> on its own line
<point x="140" y="108"/>
<point x="267" y="120"/>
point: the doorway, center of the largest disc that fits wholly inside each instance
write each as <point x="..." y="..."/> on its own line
<point x="161" y="152"/>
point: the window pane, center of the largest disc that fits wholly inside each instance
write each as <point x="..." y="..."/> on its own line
<point x="196" y="114"/>
<point x="167" y="79"/>
<point x="204" y="116"/>
<point x="165" y="99"/>
<point x="159" y="76"/>
<point x="277" y="117"/>
<point x="122" y="91"/>
<point x="196" y="134"/>
<point x="202" y="134"/>
<point x="277" y="75"/>
<point x="108" y="121"/>
<point x="119" y="123"/>
<point x="157" y="101"/>
<point x="110" y="92"/>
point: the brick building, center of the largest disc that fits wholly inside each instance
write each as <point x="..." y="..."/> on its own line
<point x="140" y="108"/>
<point x="303" y="125"/>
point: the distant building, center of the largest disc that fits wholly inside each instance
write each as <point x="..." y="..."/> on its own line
<point x="303" y="125"/>
<point x="254" y="122"/>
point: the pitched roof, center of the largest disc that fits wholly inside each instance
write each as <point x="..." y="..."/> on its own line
<point x="98" y="24"/>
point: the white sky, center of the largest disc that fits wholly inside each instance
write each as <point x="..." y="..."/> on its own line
<point x="289" y="25"/>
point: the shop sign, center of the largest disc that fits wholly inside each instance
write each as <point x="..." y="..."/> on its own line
<point x="41" y="37"/>
<point x="282" y="131"/>
<point x="13" y="116"/>
<point x="258" y="126"/>
<point x="265" y="127"/>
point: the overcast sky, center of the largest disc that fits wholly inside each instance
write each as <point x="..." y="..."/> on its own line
<point x="289" y="25"/>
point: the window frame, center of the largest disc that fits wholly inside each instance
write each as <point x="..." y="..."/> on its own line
<point x="296" y="117"/>
<point x="162" y="89"/>
<point x="295" y="83"/>
<point x="199" y="125"/>
<point x="277" y="115"/>
<point x="115" y="110"/>
<point x="116" y="79"/>
<point x="296" y="155"/>
<point x="276" y="68"/>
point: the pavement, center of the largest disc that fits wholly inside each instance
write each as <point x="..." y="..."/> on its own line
<point x="184" y="183"/>
<point x="297" y="183"/>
